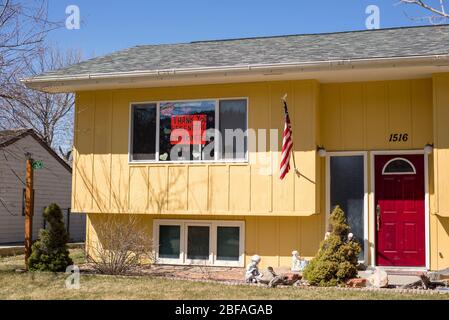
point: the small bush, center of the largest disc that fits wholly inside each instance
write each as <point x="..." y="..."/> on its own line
<point x="122" y="245"/>
<point x="50" y="252"/>
<point x="337" y="258"/>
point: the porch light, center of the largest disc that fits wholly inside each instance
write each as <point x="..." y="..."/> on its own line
<point x="321" y="151"/>
<point x="428" y="148"/>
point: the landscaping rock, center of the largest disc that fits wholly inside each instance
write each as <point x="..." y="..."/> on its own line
<point x="439" y="275"/>
<point x="379" y="279"/>
<point x="302" y="283"/>
<point x="357" y="283"/>
<point x="290" y="278"/>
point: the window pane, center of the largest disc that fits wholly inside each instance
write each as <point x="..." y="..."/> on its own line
<point x="233" y="129"/>
<point x="198" y="243"/>
<point x="169" y="242"/>
<point x="144" y="132"/>
<point x="399" y="166"/>
<point x="228" y="243"/>
<point x="347" y="191"/>
<point x="182" y="125"/>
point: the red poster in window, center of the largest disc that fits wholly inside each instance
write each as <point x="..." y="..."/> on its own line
<point x="192" y="126"/>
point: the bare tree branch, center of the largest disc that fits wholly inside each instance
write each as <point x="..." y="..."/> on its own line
<point x="49" y="115"/>
<point x="436" y="9"/>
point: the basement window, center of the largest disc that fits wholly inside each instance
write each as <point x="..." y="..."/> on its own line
<point x="189" y="242"/>
<point x="189" y="131"/>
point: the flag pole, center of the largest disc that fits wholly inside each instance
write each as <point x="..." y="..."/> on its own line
<point x="284" y="100"/>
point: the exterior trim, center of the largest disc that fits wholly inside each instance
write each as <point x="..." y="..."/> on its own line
<point x="304" y="65"/>
<point x="217" y="121"/>
<point x="365" y="196"/>
<point x="212" y="224"/>
<point x="398" y="173"/>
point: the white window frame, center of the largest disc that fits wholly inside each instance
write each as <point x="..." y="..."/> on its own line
<point x="384" y="173"/>
<point x="188" y="261"/>
<point x="364" y="154"/>
<point x="217" y="123"/>
<point x="156" y="242"/>
<point x="227" y="263"/>
<point x="213" y="225"/>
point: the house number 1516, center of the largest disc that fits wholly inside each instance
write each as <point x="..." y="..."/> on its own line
<point x="399" y="137"/>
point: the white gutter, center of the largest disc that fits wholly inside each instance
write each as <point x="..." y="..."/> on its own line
<point x="317" y="66"/>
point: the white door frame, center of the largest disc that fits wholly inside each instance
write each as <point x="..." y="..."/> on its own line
<point x="365" y="194"/>
<point x="426" y="199"/>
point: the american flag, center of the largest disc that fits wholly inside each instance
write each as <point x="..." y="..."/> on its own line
<point x="287" y="143"/>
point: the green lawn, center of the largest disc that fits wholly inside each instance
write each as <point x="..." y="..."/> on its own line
<point x="15" y="285"/>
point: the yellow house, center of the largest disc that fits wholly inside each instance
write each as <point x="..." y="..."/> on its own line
<point x="369" y="113"/>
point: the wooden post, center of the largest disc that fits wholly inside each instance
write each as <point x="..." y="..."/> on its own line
<point x="29" y="208"/>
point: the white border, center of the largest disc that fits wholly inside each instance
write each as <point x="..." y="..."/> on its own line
<point x="426" y="200"/>
<point x="398" y="173"/>
<point x="217" y="121"/>
<point x="365" y="193"/>
<point x="213" y="224"/>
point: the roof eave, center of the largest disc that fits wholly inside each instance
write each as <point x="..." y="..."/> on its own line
<point x="71" y="83"/>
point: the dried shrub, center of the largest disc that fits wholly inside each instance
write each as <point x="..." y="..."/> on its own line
<point x="122" y="245"/>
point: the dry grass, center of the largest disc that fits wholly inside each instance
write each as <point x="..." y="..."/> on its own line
<point x="52" y="286"/>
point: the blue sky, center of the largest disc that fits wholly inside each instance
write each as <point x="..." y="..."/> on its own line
<point x="108" y="26"/>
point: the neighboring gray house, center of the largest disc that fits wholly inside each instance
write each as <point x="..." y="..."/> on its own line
<point x="52" y="184"/>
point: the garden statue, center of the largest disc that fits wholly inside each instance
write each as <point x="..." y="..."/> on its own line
<point x="350" y="237"/>
<point x="252" y="274"/>
<point x="298" y="263"/>
<point x="326" y="236"/>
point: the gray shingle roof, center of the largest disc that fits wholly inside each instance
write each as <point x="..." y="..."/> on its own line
<point x="8" y="135"/>
<point x="384" y="43"/>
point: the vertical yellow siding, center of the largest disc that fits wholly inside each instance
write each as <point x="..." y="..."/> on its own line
<point x="119" y="156"/>
<point x="361" y="116"/>
<point x="440" y="217"/>
<point x="83" y="152"/>
<point x="197" y="189"/>
<point x="102" y="152"/>
<point x="105" y="181"/>
<point x="273" y="238"/>
<point x="158" y="190"/>
<point x="280" y="216"/>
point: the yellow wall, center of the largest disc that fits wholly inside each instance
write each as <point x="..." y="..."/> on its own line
<point x="279" y="216"/>
<point x="362" y="116"/>
<point x="440" y="206"/>
<point x="273" y="238"/>
<point x="105" y="182"/>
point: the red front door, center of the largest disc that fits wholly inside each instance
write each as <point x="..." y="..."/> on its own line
<point x="400" y="221"/>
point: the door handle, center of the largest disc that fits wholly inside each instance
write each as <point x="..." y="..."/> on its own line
<point x="378" y="217"/>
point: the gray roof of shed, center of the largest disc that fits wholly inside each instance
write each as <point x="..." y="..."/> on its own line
<point x="8" y="137"/>
<point x="383" y="43"/>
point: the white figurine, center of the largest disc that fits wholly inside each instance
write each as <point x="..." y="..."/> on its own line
<point x="296" y="261"/>
<point x="252" y="274"/>
<point x="350" y="237"/>
<point x="327" y="235"/>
